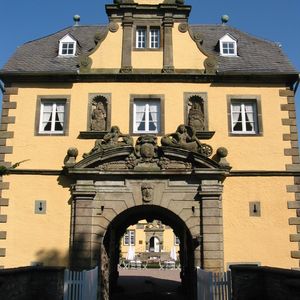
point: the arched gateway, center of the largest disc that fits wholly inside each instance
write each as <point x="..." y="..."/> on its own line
<point x="117" y="184"/>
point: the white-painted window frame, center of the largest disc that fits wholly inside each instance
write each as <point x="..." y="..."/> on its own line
<point x="227" y="40"/>
<point x="67" y="40"/>
<point x="129" y="238"/>
<point x="53" y="117"/>
<point x="147" y="104"/>
<point x="244" y="114"/>
<point x="141" y="37"/>
<point x="154" y="38"/>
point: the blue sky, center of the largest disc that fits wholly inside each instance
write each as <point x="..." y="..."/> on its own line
<point x="275" y="20"/>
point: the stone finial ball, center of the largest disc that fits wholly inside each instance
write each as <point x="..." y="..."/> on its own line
<point x="76" y="18"/>
<point x="222" y="152"/>
<point x="225" y="19"/>
<point x="72" y="152"/>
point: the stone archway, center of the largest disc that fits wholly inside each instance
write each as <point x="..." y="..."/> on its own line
<point x="131" y="216"/>
<point x="116" y="179"/>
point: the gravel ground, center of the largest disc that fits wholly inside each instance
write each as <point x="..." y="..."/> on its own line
<point x="148" y="284"/>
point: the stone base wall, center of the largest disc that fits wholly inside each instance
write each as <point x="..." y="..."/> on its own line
<point x="250" y="282"/>
<point x="28" y="283"/>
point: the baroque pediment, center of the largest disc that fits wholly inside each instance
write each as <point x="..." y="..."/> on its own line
<point x="124" y="158"/>
<point x="179" y="151"/>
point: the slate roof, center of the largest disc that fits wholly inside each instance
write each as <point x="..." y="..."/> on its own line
<point x="254" y="55"/>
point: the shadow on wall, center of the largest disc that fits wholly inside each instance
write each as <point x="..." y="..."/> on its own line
<point x="52" y="257"/>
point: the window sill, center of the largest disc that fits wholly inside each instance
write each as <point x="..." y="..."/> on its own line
<point x="241" y="134"/>
<point x="146" y="133"/>
<point x="147" y="49"/>
<point x="50" y="134"/>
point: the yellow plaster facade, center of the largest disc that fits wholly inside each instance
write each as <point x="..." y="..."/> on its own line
<point x="263" y="239"/>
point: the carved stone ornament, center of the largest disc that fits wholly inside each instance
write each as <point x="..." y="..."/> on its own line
<point x="185" y="138"/>
<point x="85" y="62"/>
<point x="196" y="118"/>
<point x="154" y="225"/>
<point x="147" y="192"/>
<point x="112" y="139"/>
<point x="71" y="157"/>
<point x="183" y="27"/>
<point x="113" y="27"/>
<point x="221" y="154"/>
<point x="210" y="65"/>
<point x="98" y="37"/>
<point x="147" y="155"/>
<point x="99" y="114"/>
<point x="198" y="37"/>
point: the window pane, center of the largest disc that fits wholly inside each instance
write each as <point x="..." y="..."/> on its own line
<point x="243" y="115"/>
<point x="147" y="116"/>
<point x="141" y="37"/>
<point x="154" y="38"/>
<point x="126" y="239"/>
<point x="228" y="48"/>
<point x="132" y="237"/>
<point x="52" y="117"/>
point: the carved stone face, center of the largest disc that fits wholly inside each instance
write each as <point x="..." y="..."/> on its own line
<point x="147" y="192"/>
<point x="181" y="129"/>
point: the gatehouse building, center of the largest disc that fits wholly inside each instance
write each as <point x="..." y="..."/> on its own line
<point x="154" y="120"/>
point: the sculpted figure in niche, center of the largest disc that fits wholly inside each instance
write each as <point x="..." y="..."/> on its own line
<point x="147" y="192"/>
<point x="196" y="114"/>
<point x="98" y="118"/>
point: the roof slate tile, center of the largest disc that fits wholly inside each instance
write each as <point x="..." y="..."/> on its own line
<point x="254" y="54"/>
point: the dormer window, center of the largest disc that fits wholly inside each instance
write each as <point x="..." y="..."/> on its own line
<point x="228" y="45"/>
<point x="67" y="46"/>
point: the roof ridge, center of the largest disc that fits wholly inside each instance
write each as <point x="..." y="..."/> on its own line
<point x="242" y="32"/>
<point x="61" y="30"/>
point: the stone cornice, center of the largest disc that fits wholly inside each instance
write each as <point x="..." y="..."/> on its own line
<point x="189" y="76"/>
<point x="232" y="173"/>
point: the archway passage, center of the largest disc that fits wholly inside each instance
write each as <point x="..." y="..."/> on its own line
<point x="120" y="185"/>
<point x="112" y="238"/>
<point x="154" y="244"/>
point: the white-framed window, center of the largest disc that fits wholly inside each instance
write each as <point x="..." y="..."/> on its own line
<point x="52" y="117"/>
<point x="141" y="37"/>
<point x="67" y="46"/>
<point x="154" y="38"/>
<point x="129" y="238"/>
<point x="147" y="37"/>
<point x="176" y="240"/>
<point x="146" y="116"/>
<point x="228" y="45"/>
<point x="244" y="117"/>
